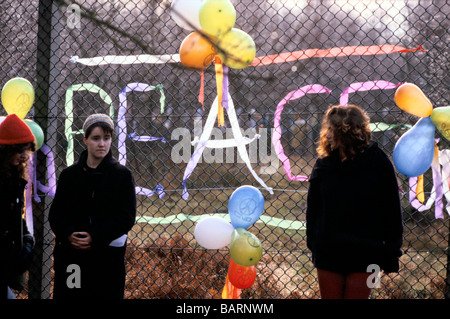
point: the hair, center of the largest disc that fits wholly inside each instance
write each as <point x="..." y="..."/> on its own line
<point x="8" y="173"/>
<point x="104" y="126"/>
<point x="345" y="128"/>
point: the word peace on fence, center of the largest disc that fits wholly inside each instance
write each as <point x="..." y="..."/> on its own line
<point x="276" y="138"/>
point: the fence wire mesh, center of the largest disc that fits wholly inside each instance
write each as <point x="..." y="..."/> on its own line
<point x="90" y="56"/>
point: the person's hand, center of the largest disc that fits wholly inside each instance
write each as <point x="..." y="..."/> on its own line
<point x="81" y="240"/>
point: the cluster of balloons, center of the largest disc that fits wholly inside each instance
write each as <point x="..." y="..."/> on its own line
<point x="17" y="98"/>
<point x="213" y="34"/>
<point x="245" y="206"/>
<point x="414" y="151"/>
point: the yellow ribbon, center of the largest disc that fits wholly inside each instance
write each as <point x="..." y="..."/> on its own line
<point x="230" y="291"/>
<point x="420" y="195"/>
<point x="419" y="189"/>
<point x="219" y="82"/>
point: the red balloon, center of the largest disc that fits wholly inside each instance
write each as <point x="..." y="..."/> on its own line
<point x="241" y="277"/>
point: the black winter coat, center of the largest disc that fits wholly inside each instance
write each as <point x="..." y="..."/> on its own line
<point x="354" y="214"/>
<point x="99" y="201"/>
<point x="16" y="242"/>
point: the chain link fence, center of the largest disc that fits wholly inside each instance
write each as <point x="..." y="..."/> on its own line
<point x="120" y="57"/>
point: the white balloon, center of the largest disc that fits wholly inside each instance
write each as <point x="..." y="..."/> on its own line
<point x="213" y="232"/>
<point x="185" y="13"/>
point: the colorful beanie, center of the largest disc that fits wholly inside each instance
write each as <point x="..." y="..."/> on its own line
<point x="14" y="130"/>
<point x="97" y="118"/>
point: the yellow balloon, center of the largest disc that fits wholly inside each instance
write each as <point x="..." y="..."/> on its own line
<point x="236" y="49"/>
<point x="441" y="119"/>
<point x="245" y="248"/>
<point x="410" y="98"/>
<point x="18" y="97"/>
<point x="217" y="16"/>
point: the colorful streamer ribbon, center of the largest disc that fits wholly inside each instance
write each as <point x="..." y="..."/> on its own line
<point x="219" y="83"/>
<point x="365" y="86"/>
<point x="70" y="116"/>
<point x="204" y="141"/>
<point x="121" y="120"/>
<point x="276" y="136"/>
<point x="159" y="189"/>
<point x="49" y="190"/>
<point x="258" y="61"/>
<point x="440" y="185"/>
<point x="230" y="291"/>
<point x="331" y="53"/>
<point x="201" y="93"/>
<point x="130" y="59"/>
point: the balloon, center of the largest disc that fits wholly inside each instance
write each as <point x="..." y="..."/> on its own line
<point x="410" y="98"/>
<point x="245" y="206"/>
<point x="213" y="232"/>
<point x="185" y="14"/>
<point x="18" y="97"/>
<point x="414" y="151"/>
<point x="245" y="248"/>
<point x="441" y="119"/>
<point x="241" y="277"/>
<point x="37" y="132"/>
<point x="196" y="52"/>
<point x="236" y="49"/>
<point x="217" y="16"/>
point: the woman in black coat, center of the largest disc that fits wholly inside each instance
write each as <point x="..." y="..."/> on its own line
<point x="16" y="243"/>
<point x="93" y="210"/>
<point x="354" y="220"/>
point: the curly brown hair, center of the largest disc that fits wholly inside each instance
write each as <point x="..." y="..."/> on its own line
<point x="345" y="128"/>
<point x="8" y="173"/>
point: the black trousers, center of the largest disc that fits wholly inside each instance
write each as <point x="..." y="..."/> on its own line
<point x="98" y="273"/>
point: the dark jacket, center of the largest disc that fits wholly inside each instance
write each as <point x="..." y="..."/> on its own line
<point x="354" y="214"/>
<point x="16" y="242"/>
<point x="102" y="202"/>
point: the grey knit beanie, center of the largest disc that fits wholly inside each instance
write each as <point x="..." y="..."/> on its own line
<point x="97" y="118"/>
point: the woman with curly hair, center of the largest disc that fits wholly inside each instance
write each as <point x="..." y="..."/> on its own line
<point x="354" y="219"/>
<point x="16" y="243"/>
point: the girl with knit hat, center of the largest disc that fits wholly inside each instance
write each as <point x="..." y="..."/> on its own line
<point x="16" y="243"/>
<point x="93" y="210"/>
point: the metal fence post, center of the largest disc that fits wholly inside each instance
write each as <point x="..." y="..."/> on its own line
<point x="48" y="36"/>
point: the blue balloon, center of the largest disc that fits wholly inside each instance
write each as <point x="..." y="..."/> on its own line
<point x="414" y="151"/>
<point x="245" y="206"/>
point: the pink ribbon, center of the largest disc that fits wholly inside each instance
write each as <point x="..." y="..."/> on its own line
<point x="365" y="86"/>
<point x="276" y="136"/>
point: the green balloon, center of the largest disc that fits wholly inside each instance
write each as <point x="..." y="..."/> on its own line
<point x="245" y="248"/>
<point x="440" y="117"/>
<point x="37" y="132"/>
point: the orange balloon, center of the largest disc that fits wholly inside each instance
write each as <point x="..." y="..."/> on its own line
<point x="410" y="98"/>
<point x="241" y="277"/>
<point x="196" y="52"/>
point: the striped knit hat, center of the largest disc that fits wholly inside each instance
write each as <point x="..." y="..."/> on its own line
<point x="97" y="118"/>
<point x="13" y="130"/>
